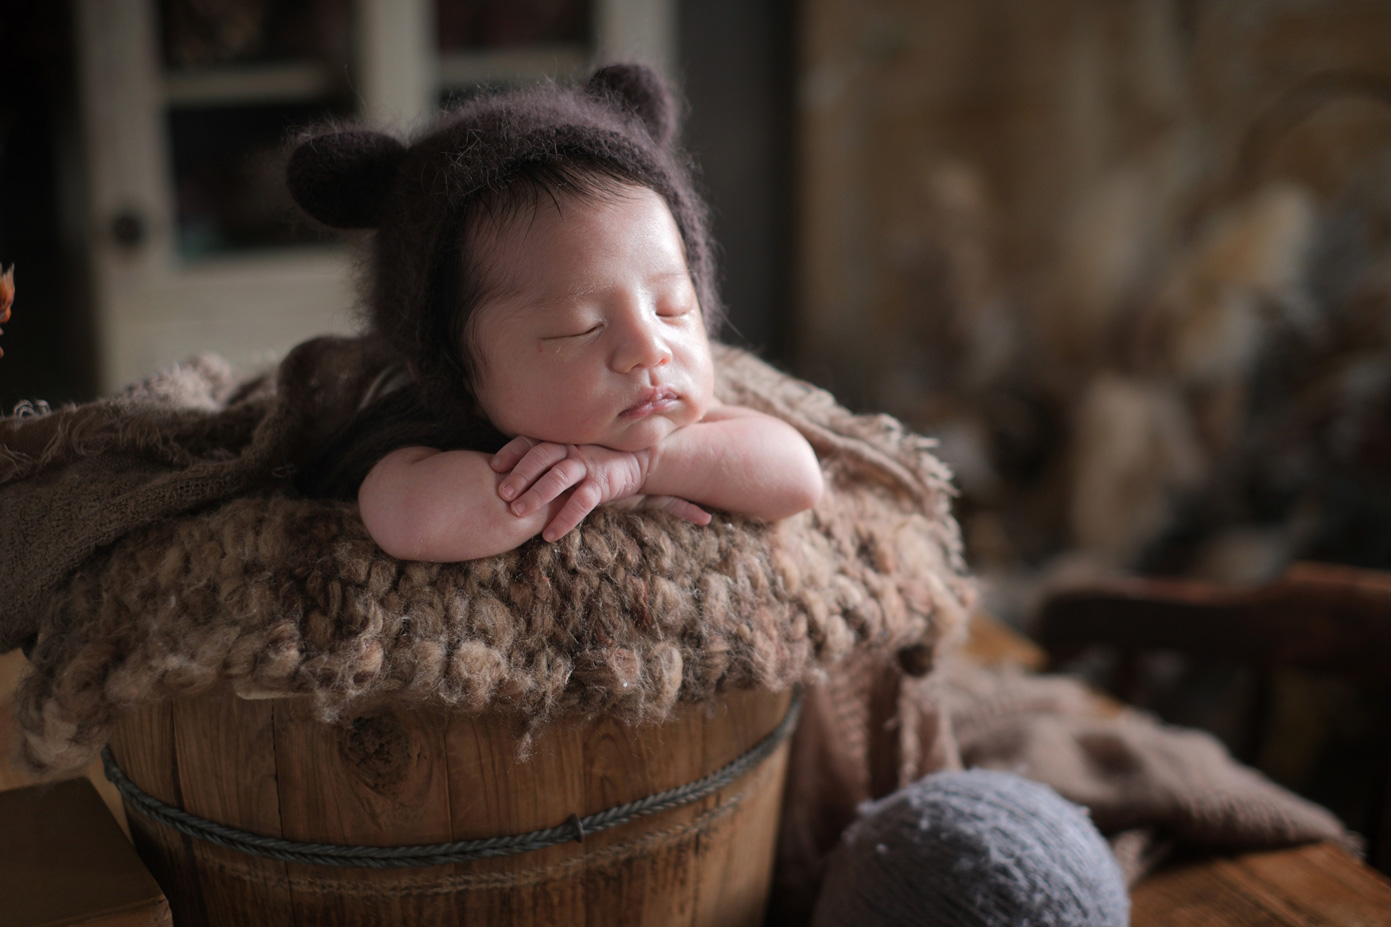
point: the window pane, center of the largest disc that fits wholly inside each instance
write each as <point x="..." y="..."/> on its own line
<point x="474" y="24"/>
<point x="229" y="175"/>
<point x="201" y="33"/>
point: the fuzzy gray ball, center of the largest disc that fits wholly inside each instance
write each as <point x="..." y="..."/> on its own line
<point x="980" y="848"/>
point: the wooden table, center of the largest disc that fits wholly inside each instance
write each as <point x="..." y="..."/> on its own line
<point x="1316" y="885"/>
<point x="1310" y="886"/>
<point x="64" y="862"/>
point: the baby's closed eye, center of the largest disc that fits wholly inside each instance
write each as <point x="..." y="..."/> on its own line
<point x="676" y="296"/>
<point x="675" y="310"/>
<point x="586" y="332"/>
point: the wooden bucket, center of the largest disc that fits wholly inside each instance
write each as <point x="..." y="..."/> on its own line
<point x="410" y="777"/>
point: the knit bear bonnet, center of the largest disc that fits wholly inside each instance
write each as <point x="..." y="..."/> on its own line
<point x="419" y="196"/>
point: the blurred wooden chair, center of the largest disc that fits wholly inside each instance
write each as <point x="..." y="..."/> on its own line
<point x="1328" y="620"/>
<point x="1314" y="885"/>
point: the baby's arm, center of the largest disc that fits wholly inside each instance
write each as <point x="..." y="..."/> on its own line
<point x="738" y="460"/>
<point x="422" y="504"/>
<point x="734" y="459"/>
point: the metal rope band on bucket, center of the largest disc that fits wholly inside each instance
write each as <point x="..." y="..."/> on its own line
<point x="438" y="854"/>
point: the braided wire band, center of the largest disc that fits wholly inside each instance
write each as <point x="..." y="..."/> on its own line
<point x="438" y="854"/>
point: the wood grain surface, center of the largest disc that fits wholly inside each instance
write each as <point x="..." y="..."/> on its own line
<point x="144" y="746"/>
<point x="1318" y="885"/>
<point x="406" y="777"/>
<point x="212" y="737"/>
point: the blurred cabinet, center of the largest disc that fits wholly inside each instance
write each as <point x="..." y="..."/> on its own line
<point x="186" y="106"/>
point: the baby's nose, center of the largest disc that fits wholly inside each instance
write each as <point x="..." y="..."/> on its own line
<point x="642" y="345"/>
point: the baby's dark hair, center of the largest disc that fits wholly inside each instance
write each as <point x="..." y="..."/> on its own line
<point x="496" y="153"/>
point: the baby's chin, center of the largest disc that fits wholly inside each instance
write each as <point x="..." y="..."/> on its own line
<point x="654" y="429"/>
<point x="630" y="436"/>
<point x="640" y="438"/>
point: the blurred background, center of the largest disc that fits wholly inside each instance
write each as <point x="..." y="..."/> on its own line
<point x="1130" y="262"/>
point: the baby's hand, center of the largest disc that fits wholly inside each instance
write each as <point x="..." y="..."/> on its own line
<point x="541" y="471"/>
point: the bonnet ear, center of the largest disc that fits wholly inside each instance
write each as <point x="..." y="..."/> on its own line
<point x="640" y="90"/>
<point x="343" y="178"/>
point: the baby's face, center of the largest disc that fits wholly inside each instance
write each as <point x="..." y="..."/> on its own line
<point x="590" y="332"/>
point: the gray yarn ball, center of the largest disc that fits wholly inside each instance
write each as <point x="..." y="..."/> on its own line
<point x="980" y="848"/>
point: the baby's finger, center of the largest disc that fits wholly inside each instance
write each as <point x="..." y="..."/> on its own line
<point x="537" y="461"/>
<point x="687" y="511"/>
<point x="581" y="502"/>
<point x="556" y="480"/>
<point x="511" y="452"/>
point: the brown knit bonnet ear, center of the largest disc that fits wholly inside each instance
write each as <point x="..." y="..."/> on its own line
<point x="640" y="91"/>
<point x="343" y="178"/>
<point x="621" y="123"/>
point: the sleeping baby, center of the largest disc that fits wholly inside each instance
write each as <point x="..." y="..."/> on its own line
<point x="543" y="270"/>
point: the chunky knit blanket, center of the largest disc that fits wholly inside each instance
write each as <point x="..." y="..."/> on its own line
<point x="151" y="547"/>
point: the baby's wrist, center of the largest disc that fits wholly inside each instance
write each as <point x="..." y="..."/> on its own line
<point x="647" y="459"/>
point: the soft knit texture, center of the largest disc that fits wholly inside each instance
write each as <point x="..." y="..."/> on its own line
<point x="158" y="551"/>
<point x="1131" y="771"/>
<point x="977" y="848"/>
<point x="419" y="196"/>
<point x="870" y="731"/>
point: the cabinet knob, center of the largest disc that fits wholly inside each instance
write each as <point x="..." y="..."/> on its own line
<point x="128" y="228"/>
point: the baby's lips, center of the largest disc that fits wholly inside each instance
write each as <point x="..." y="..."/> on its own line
<point x="651" y="397"/>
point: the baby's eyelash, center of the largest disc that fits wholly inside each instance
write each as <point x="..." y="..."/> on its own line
<point x="588" y="331"/>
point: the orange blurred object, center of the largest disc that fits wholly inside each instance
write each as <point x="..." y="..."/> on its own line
<point x="6" y="298"/>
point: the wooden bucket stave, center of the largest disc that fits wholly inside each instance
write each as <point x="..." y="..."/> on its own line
<point x="424" y="777"/>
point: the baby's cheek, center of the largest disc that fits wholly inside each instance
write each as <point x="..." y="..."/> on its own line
<point x="703" y="402"/>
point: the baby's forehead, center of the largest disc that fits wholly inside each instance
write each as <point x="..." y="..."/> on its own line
<point x="507" y="243"/>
